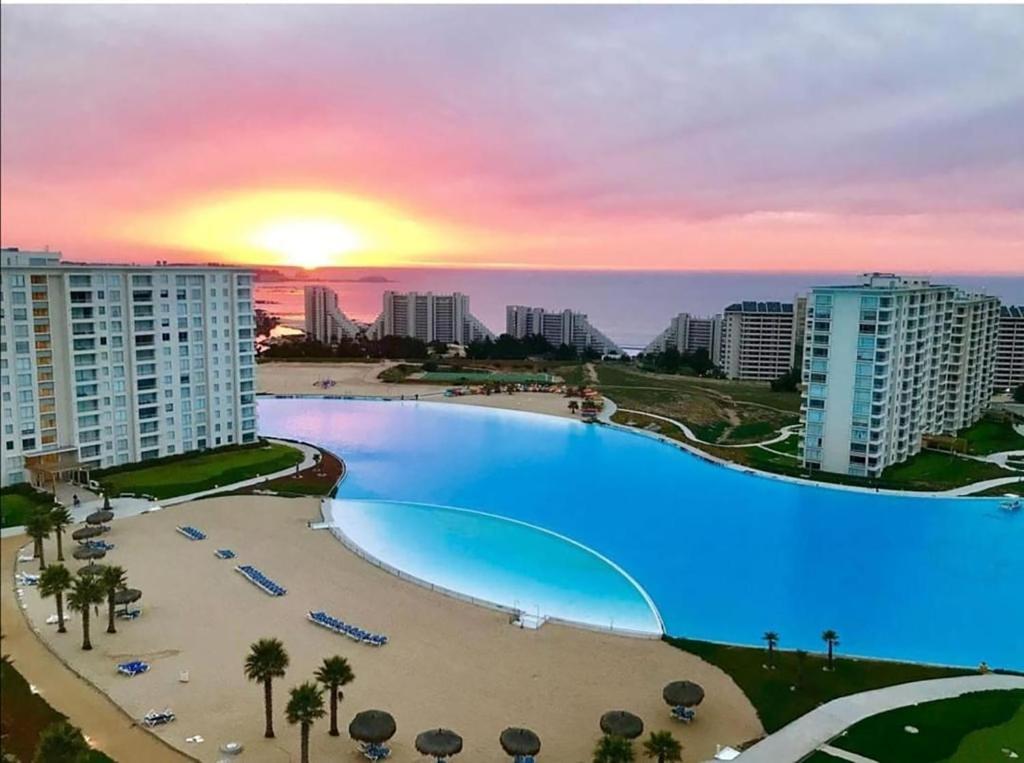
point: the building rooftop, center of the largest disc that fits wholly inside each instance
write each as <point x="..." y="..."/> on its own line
<point x="778" y="308"/>
<point x="1011" y="311"/>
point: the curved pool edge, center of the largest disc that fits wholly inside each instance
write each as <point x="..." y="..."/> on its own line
<point x="376" y="561"/>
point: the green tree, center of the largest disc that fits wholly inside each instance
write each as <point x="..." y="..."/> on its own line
<point x="61" y="742"/>
<point x="38" y="527"/>
<point x="573" y="406"/>
<point x="60" y="518"/>
<point x="613" y="749"/>
<point x="86" y="592"/>
<point x="771" y="638"/>
<point x="334" y="673"/>
<point x="113" y="579"/>
<point x="831" y="638"/>
<point x="663" y="746"/>
<point x="305" y="706"/>
<point x="266" y="661"/>
<point x="55" y="580"/>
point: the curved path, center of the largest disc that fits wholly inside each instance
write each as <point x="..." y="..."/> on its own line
<point x="784" y="434"/>
<point x="807" y="733"/>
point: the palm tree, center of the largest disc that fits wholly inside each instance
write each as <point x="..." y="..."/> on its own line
<point x="55" y="580"/>
<point x="113" y="579"/>
<point x="61" y="742"/>
<point x="304" y="707"/>
<point x="86" y="592"/>
<point x="60" y="517"/>
<point x="266" y="661"/>
<point x="663" y="746"/>
<point x="831" y="638"/>
<point x="613" y="749"/>
<point x="573" y="406"/>
<point x="37" y="527"/>
<point x="771" y="638"/>
<point x="335" y="673"/>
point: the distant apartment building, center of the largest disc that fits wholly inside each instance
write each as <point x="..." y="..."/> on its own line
<point x="429" y="317"/>
<point x="888" y="361"/>
<point x="758" y="340"/>
<point x="325" y="321"/>
<point x="559" y="327"/>
<point x="1009" y="363"/>
<point x="687" y="334"/>
<point x="108" y="364"/>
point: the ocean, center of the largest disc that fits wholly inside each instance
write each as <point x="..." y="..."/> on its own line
<point x="631" y="307"/>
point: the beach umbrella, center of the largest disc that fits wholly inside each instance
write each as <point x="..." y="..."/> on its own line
<point x="516" y="742"/>
<point x="127" y="596"/>
<point x="92" y="569"/>
<point x="439" y="743"/>
<point x="83" y="553"/>
<point x="99" y="517"/>
<point x="373" y="726"/>
<point x="622" y="724"/>
<point x="683" y="694"/>
<point x="83" y="533"/>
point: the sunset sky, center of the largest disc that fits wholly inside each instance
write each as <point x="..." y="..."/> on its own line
<point x="731" y="138"/>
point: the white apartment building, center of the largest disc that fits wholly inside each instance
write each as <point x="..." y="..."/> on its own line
<point x="886" y="362"/>
<point x="107" y="364"/>
<point x="688" y="333"/>
<point x="758" y="340"/>
<point x="1009" y="371"/>
<point x="325" y="321"/>
<point x="429" y="317"/>
<point x="559" y="327"/>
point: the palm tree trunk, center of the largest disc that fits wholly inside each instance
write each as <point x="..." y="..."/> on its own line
<point x="42" y="558"/>
<point x="60" y="545"/>
<point x="110" y="613"/>
<point x="268" y="704"/>
<point x="86" y="643"/>
<point x="334" y="712"/>
<point x="60" y="613"/>
<point x="830" y="655"/>
<point x="304" y="749"/>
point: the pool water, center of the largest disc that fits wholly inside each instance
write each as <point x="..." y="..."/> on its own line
<point x="723" y="554"/>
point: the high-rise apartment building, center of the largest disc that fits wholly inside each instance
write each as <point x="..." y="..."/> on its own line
<point x="687" y="334"/>
<point x="887" y="361"/>
<point x="758" y="340"/>
<point x="325" y="321"/>
<point x="559" y="327"/>
<point x="429" y="317"/>
<point x="107" y="364"/>
<point x="1009" y="371"/>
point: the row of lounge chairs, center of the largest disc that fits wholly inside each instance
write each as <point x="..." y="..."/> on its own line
<point x="191" y="533"/>
<point x="372" y="751"/>
<point x="353" y="632"/>
<point x="102" y="545"/>
<point x="158" y="717"/>
<point x="128" y="614"/>
<point x="224" y="553"/>
<point x="133" y="668"/>
<point x="257" y="578"/>
<point x="523" y="759"/>
<point x="684" y="714"/>
<point x="25" y="579"/>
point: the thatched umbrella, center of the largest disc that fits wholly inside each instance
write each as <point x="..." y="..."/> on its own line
<point x="622" y="724"/>
<point x="92" y="569"/>
<point x="373" y="726"/>
<point x="439" y="743"/>
<point x="683" y="694"/>
<point x="516" y="742"/>
<point x="83" y="553"/>
<point x="84" y="533"/>
<point x="127" y="596"/>
<point x="99" y="517"/>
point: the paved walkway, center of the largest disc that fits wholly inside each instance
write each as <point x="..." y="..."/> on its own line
<point x="784" y="434"/>
<point x="807" y="733"/>
<point x="129" y="507"/>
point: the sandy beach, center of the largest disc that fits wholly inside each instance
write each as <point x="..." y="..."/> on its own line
<point x="360" y="379"/>
<point x="449" y="663"/>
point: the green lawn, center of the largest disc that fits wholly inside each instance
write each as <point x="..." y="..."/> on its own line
<point x="573" y="375"/>
<point x="988" y="743"/>
<point x="932" y="470"/>
<point x="790" y="445"/>
<point x="1002" y="490"/>
<point x="942" y="726"/>
<point x="17" y="501"/>
<point x="166" y="478"/>
<point x="991" y="436"/>
<point x="24" y="715"/>
<point x="771" y="692"/>
<point x="821" y="757"/>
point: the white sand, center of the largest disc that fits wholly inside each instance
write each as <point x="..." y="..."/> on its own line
<point x="449" y="663"/>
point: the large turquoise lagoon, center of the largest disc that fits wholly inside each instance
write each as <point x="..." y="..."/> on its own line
<point x="723" y="555"/>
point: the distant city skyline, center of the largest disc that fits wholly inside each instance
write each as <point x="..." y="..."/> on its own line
<point x="786" y="139"/>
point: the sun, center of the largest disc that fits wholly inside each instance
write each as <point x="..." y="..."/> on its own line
<point x="307" y="243"/>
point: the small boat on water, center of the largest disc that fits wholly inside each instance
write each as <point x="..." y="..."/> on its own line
<point x="1014" y="504"/>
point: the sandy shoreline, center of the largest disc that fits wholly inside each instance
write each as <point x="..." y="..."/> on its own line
<point x="360" y="379"/>
<point x="449" y="663"/>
